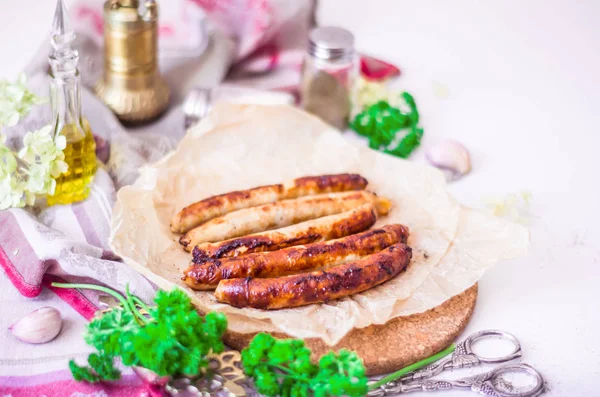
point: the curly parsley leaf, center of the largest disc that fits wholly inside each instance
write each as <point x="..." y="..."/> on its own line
<point x="170" y="339"/>
<point x="105" y="332"/>
<point x="178" y="342"/>
<point x="103" y="365"/>
<point x="407" y="144"/>
<point x="341" y="374"/>
<point x="283" y="368"/>
<point x="83" y="373"/>
<point x="383" y="125"/>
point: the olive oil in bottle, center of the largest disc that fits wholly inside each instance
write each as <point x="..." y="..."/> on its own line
<point x="65" y="99"/>
<point x="80" y="155"/>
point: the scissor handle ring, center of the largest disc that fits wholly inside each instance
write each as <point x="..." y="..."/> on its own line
<point x="535" y="389"/>
<point x="494" y="332"/>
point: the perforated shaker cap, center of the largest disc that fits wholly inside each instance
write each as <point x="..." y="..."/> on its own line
<point x="331" y="43"/>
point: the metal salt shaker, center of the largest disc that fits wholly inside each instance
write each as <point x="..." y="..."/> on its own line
<point x="329" y="72"/>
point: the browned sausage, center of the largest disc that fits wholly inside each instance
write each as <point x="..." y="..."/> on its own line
<point x="280" y="214"/>
<point x="326" y="228"/>
<point x="315" y="287"/>
<point x="205" y="276"/>
<point x="212" y="207"/>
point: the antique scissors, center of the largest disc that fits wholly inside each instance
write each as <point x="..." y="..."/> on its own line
<point x="490" y="383"/>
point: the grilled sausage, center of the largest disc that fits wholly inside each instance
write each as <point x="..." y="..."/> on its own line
<point x="326" y="228"/>
<point x="206" y="276"/>
<point x="280" y="214"/>
<point x="315" y="287"/>
<point x="212" y="207"/>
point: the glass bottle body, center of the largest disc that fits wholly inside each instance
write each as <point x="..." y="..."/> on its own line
<point x="326" y="88"/>
<point x="80" y="152"/>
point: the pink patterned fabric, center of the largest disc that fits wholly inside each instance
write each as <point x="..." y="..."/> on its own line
<point x="70" y="243"/>
<point x="61" y="384"/>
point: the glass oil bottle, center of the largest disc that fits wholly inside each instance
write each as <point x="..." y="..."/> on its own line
<point x="65" y="99"/>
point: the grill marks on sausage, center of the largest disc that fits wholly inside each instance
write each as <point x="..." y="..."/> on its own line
<point x="212" y="207"/>
<point x="326" y="228"/>
<point x="242" y="245"/>
<point x="280" y="214"/>
<point x="234" y="264"/>
<point x="343" y="182"/>
<point x="315" y="287"/>
<point x="263" y="243"/>
<point x="206" y="274"/>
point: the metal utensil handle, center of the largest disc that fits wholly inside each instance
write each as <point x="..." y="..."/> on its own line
<point x="463" y="357"/>
<point x="496" y="374"/>
<point x="387" y="390"/>
<point x="485" y="384"/>
<point x="400" y="388"/>
<point x="481" y="387"/>
<point x="427" y="372"/>
<point x="470" y="341"/>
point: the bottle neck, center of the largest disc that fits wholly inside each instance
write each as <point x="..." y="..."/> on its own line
<point x="65" y="100"/>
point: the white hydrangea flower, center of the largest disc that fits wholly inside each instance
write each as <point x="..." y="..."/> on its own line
<point x="45" y="157"/>
<point x="16" y="100"/>
<point x="42" y="158"/>
<point x="11" y="187"/>
<point x="11" y="191"/>
<point x="8" y="113"/>
<point x="31" y="171"/>
<point x="8" y="161"/>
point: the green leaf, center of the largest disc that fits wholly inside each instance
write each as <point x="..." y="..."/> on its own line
<point x="266" y="381"/>
<point x="82" y="373"/>
<point x="179" y="339"/>
<point x="256" y="352"/>
<point x="414" y="113"/>
<point x="103" y="366"/>
<point x="105" y="332"/>
<point x="281" y="352"/>
<point x="283" y="368"/>
<point x="341" y="374"/>
<point x="173" y="340"/>
<point x="381" y="123"/>
<point x="408" y="144"/>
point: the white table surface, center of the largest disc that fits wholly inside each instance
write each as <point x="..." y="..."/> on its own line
<point x="523" y="80"/>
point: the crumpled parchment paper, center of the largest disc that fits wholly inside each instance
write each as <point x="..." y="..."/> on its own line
<point x="242" y="146"/>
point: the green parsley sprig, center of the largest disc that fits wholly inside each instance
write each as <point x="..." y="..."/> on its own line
<point x="170" y="338"/>
<point x="282" y="367"/>
<point x="393" y="130"/>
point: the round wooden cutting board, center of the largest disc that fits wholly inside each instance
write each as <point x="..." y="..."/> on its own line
<point x="399" y="342"/>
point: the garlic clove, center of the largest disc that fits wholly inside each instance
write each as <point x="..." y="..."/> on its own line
<point x="451" y="157"/>
<point x="150" y="377"/>
<point x="39" y="326"/>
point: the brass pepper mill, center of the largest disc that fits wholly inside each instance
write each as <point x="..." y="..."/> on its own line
<point x="132" y="86"/>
